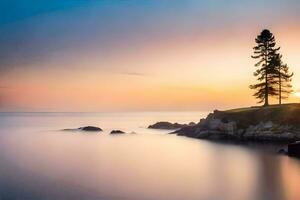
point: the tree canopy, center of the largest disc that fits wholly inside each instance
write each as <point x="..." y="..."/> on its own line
<point x="273" y="77"/>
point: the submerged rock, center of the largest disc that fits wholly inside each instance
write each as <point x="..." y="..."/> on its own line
<point x="167" y="125"/>
<point x="117" y="132"/>
<point x="70" y="129"/>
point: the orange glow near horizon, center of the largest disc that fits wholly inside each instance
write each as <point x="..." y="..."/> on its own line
<point x="198" y="73"/>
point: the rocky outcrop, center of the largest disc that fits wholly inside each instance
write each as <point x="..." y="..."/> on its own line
<point x="90" y="128"/>
<point x="211" y="128"/>
<point x="169" y="126"/>
<point x="294" y="149"/>
<point x="191" y="124"/>
<point x="117" y="132"/>
<point x="224" y="125"/>
<point x="85" y="128"/>
<point x="268" y="131"/>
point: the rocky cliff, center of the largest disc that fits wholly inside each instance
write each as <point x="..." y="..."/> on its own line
<point x="280" y="123"/>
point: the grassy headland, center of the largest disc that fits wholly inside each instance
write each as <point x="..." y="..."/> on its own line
<point x="285" y="114"/>
<point x="277" y="123"/>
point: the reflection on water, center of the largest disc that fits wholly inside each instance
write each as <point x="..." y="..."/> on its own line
<point x="47" y="164"/>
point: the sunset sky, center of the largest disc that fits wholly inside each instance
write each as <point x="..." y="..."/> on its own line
<point x="138" y="55"/>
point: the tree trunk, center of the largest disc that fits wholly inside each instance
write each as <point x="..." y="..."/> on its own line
<point x="266" y="79"/>
<point x="279" y="87"/>
<point x="266" y="91"/>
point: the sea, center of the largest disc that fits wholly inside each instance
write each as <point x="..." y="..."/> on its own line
<point x="41" y="161"/>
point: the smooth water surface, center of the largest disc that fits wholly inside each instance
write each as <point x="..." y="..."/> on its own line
<point x="38" y="161"/>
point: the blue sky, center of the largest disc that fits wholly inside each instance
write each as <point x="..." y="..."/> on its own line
<point x="150" y="38"/>
<point x="14" y="10"/>
<point x="34" y="29"/>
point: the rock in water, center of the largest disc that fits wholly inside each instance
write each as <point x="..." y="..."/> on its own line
<point x="282" y="151"/>
<point x="90" y="128"/>
<point x="117" y="132"/>
<point x="294" y="149"/>
<point x="167" y="125"/>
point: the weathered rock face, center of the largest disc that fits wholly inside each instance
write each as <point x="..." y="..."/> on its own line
<point x="167" y="125"/>
<point x="211" y="128"/>
<point x="90" y="128"/>
<point x="117" y="132"/>
<point x="220" y="126"/>
<point x="214" y="124"/>
<point x="271" y="132"/>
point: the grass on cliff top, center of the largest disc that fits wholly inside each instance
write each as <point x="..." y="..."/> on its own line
<point x="290" y="106"/>
<point x="285" y="114"/>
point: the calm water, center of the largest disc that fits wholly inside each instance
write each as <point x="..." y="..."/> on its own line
<point x="37" y="161"/>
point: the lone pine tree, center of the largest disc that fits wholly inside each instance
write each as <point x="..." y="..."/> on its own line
<point x="265" y="51"/>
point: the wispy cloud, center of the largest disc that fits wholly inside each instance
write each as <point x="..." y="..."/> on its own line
<point x="134" y="74"/>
